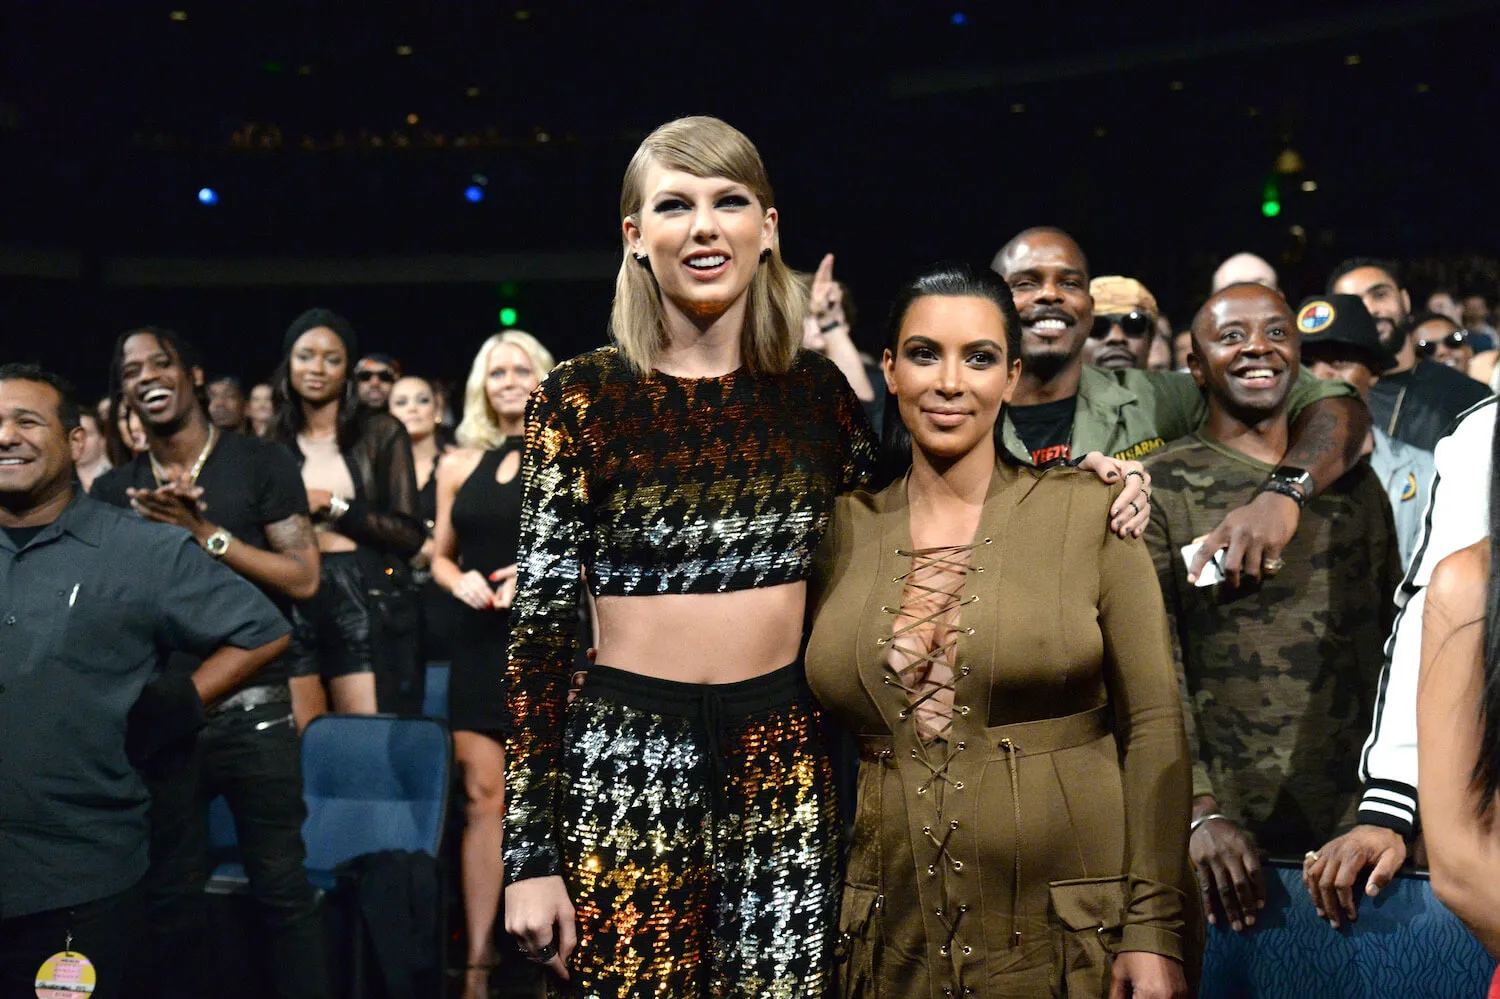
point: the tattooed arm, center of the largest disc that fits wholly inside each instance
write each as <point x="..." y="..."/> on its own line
<point x="1326" y="440"/>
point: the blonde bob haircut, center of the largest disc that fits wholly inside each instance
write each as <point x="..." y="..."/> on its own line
<point x="705" y="147"/>
<point x="480" y="427"/>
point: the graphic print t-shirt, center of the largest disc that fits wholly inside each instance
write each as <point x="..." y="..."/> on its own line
<point x="1046" y="429"/>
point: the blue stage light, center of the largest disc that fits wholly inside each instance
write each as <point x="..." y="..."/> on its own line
<point x="960" y="19"/>
<point x="474" y="193"/>
<point x="208" y="196"/>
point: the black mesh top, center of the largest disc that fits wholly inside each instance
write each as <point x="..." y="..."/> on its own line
<point x="657" y="484"/>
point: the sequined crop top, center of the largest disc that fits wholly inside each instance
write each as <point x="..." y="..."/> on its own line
<point x="656" y="484"/>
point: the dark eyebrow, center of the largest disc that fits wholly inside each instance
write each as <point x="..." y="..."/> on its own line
<point x="982" y="343"/>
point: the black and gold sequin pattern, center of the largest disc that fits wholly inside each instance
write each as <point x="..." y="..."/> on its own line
<point x="701" y="847"/>
<point x="656" y="484"/>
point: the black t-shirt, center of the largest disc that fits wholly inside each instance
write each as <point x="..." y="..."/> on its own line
<point x="1419" y="406"/>
<point x="248" y="484"/>
<point x="21" y="536"/>
<point x="1046" y="429"/>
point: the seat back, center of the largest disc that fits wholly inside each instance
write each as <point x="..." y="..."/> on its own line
<point x="373" y="783"/>
<point x="435" y="691"/>
<point x="222" y="836"/>
<point x="1405" y="944"/>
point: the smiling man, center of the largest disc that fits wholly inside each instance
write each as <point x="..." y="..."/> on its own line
<point x="93" y="597"/>
<point x="1063" y="408"/>
<point x="243" y="500"/>
<point x="1278" y="673"/>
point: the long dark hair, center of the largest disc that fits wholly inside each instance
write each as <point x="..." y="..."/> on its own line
<point x="1487" y="767"/>
<point x="952" y="280"/>
<point x="288" y="420"/>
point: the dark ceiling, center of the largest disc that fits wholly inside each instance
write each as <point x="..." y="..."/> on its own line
<point x="896" y="133"/>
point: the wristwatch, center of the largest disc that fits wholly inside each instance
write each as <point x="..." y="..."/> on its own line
<point x="217" y="543"/>
<point x="1290" y="481"/>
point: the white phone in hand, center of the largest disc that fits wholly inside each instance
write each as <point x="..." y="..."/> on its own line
<point x="1213" y="569"/>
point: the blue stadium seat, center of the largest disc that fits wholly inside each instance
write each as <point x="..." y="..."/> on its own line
<point x="228" y="876"/>
<point x="435" y="692"/>
<point x="372" y="783"/>
<point x="1404" y="945"/>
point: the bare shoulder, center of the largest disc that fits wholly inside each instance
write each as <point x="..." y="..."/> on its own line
<point x="457" y="465"/>
<point x="1460" y="583"/>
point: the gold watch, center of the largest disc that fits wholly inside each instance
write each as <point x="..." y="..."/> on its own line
<point x="217" y="543"/>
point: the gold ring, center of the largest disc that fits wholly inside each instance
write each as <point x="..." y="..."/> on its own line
<point x="1271" y="566"/>
<point x="1310" y="855"/>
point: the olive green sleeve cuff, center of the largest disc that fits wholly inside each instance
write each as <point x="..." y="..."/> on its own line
<point x="1152" y="940"/>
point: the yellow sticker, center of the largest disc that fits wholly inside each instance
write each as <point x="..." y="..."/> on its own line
<point x="1314" y="317"/>
<point x="1410" y="490"/>
<point x="65" y="976"/>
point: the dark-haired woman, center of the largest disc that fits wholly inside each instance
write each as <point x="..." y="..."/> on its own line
<point x="1458" y="725"/>
<point x="361" y="488"/>
<point x="1002" y="657"/>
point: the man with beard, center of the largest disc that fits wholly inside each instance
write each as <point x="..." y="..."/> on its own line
<point x="375" y="375"/>
<point x="1278" y="673"/>
<point x="243" y="500"/>
<point x="93" y="597"/>
<point x="1416" y="400"/>
<point x="1063" y="407"/>
<point x="226" y="404"/>
<point x="1124" y="324"/>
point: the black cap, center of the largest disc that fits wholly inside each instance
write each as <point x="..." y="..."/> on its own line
<point x="312" y="319"/>
<point x="1342" y="319"/>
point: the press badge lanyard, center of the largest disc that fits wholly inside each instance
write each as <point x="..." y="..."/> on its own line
<point x="67" y="975"/>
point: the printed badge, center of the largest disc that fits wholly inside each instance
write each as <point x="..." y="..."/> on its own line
<point x="1315" y="317"/>
<point x="65" y="976"/>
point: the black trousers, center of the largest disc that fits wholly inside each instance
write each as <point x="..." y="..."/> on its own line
<point x="103" y="931"/>
<point x="252" y="758"/>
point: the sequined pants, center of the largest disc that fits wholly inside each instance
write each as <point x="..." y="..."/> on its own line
<point x="700" y="838"/>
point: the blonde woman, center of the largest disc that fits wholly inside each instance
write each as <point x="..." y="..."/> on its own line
<point x="474" y="559"/>
<point x="676" y="832"/>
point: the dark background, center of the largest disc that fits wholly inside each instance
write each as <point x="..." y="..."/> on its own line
<point x="894" y="136"/>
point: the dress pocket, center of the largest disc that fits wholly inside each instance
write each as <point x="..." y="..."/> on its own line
<point x="857" y="949"/>
<point x="1086" y="917"/>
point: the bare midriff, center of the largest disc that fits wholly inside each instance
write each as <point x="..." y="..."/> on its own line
<point x="703" y="637"/>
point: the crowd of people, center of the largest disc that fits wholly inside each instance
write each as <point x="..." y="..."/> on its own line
<point x="997" y="665"/>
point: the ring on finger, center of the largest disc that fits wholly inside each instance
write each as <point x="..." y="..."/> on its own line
<point x="544" y="953"/>
<point x="1310" y="856"/>
<point x="1134" y="509"/>
<point x="1138" y="474"/>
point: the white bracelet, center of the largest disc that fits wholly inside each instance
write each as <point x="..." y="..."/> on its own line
<point x="1193" y="826"/>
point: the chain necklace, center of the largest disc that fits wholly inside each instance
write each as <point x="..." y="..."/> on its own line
<point x="160" y="473"/>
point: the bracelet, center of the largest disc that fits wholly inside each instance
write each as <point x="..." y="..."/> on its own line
<point x="1193" y="825"/>
<point x="337" y="507"/>
<point x="1284" y="488"/>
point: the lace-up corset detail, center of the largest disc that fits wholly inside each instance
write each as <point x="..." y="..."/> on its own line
<point x="925" y="634"/>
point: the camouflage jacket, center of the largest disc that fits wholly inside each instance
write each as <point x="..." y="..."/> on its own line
<point x="1278" y="678"/>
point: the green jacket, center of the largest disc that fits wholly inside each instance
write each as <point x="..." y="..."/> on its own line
<point x="1128" y="414"/>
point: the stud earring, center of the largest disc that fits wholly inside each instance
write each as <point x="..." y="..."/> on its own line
<point x="765" y="254"/>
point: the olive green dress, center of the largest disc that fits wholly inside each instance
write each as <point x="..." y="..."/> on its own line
<point x="1047" y="828"/>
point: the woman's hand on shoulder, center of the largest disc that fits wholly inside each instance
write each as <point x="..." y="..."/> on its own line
<point x="1131" y="510"/>
<point x="1140" y="974"/>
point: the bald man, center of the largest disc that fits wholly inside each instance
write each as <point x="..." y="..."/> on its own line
<point x="1062" y="407"/>
<point x="1278" y="674"/>
<point x="1244" y="268"/>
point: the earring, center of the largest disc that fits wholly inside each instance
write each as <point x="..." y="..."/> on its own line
<point x="643" y="260"/>
<point x="765" y="254"/>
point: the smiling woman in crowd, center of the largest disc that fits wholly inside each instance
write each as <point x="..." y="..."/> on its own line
<point x="1002" y="658"/>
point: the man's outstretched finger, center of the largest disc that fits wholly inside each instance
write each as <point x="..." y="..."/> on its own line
<point x="1229" y="899"/>
<point x="1386" y="867"/>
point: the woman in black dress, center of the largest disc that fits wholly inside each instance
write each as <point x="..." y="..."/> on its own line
<point x="478" y="528"/>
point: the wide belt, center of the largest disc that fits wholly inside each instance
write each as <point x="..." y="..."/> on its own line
<point x="254" y="697"/>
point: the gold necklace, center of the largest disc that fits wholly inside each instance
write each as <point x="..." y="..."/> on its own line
<point x="160" y="473"/>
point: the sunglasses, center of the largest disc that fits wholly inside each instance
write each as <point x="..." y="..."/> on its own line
<point x="389" y="377"/>
<point x="1133" y="324"/>
<point x="1452" y="341"/>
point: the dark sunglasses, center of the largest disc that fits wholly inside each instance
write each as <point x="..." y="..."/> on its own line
<point x="1133" y="324"/>
<point x="389" y="377"/>
<point x="1452" y="341"/>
